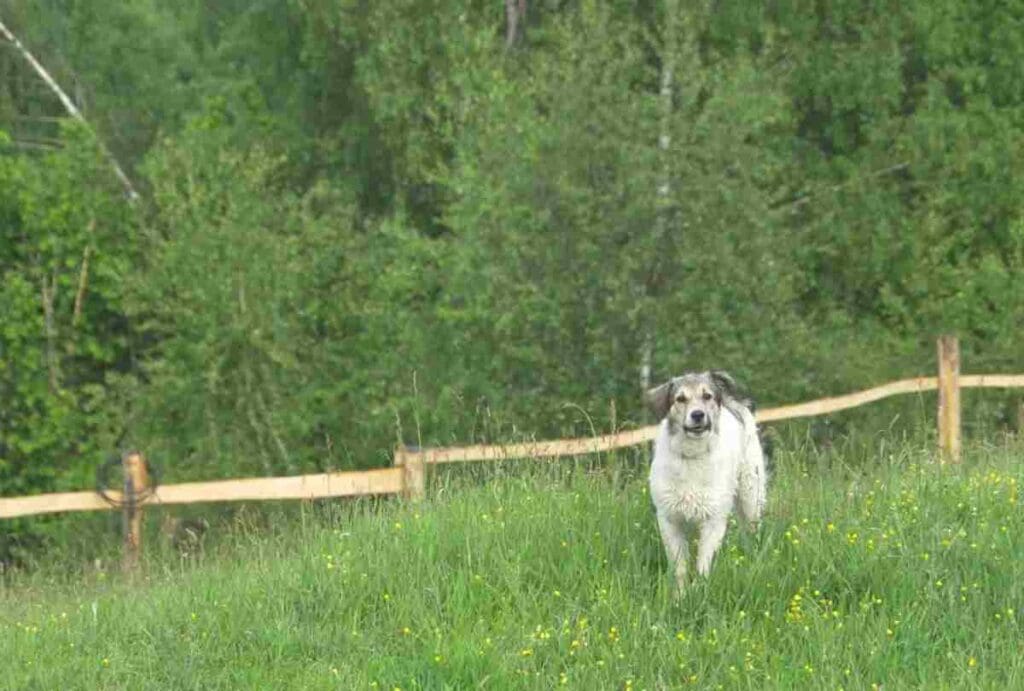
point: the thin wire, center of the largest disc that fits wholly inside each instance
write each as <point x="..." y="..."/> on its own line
<point x="103" y="483"/>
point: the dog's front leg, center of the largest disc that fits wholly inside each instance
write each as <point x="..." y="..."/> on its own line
<point x="674" y="539"/>
<point x="711" y="534"/>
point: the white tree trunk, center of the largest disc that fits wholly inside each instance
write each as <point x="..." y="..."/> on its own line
<point x="664" y="189"/>
<point x="515" y="21"/>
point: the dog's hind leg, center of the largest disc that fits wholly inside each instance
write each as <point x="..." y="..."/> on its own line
<point x="674" y="539"/>
<point x="712" y="532"/>
<point x="752" y="488"/>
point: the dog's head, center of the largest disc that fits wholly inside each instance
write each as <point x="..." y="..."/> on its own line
<point x="693" y="402"/>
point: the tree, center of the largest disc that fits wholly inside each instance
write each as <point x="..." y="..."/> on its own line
<point x="62" y="257"/>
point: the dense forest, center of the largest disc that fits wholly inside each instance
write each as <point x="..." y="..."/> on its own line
<point x="357" y="222"/>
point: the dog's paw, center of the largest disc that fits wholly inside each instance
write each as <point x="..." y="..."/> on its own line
<point x="680" y="582"/>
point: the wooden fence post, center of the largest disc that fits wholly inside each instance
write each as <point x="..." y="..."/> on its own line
<point x="135" y="481"/>
<point x="949" y="399"/>
<point x="414" y="473"/>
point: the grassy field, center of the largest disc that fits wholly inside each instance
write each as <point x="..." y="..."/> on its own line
<point x="891" y="573"/>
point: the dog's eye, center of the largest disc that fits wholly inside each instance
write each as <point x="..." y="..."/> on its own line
<point x="707" y="396"/>
<point x="681" y="398"/>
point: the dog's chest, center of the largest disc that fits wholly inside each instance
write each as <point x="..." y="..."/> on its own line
<point x="690" y="497"/>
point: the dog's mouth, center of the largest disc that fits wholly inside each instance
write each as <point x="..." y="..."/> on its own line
<point x="697" y="430"/>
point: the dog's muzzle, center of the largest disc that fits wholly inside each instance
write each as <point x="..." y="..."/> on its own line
<point x="697" y="430"/>
<point x="698" y="424"/>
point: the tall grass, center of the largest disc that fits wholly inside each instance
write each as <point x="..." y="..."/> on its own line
<point x="891" y="572"/>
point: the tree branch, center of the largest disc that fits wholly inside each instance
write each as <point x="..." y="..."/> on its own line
<point x="83" y="282"/>
<point x="49" y="294"/>
<point x="807" y="196"/>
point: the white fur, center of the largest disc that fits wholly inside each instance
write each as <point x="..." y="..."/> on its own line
<point x="695" y="482"/>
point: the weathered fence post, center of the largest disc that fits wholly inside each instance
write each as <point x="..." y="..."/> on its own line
<point x="949" y="398"/>
<point x="414" y="473"/>
<point x="135" y="481"/>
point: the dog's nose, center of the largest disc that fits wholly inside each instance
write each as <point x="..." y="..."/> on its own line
<point x="697" y="416"/>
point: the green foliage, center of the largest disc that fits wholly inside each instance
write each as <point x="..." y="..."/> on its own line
<point x="920" y="153"/>
<point x="65" y="248"/>
<point x="276" y="325"/>
<point x="221" y="299"/>
<point x="372" y="221"/>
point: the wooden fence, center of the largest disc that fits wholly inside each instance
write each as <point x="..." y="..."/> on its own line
<point x="408" y="474"/>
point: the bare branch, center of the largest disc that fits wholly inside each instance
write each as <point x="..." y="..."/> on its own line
<point x="807" y="196"/>
<point x="48" y="291"/>
<point x="34" y="145"/>
<point x="83" y="281"/>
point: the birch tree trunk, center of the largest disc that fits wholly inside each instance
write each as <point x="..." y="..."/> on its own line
<point x="515" y="21"/>
<point x="663" y="193"/>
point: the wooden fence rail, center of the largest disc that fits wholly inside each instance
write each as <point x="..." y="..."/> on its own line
<point x="408" y="476"/>
<point x="609" y="442"/>
<point x="323" y="485"/>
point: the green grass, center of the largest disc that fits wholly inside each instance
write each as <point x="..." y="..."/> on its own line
<point x="902" y="574"/>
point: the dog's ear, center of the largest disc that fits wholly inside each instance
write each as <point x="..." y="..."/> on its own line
<point x="659" y="399"/>
<point x="725" y="386"/>
<point x="726" y="389"/>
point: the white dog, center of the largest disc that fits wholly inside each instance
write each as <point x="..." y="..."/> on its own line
<point x="706" y="455"/>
